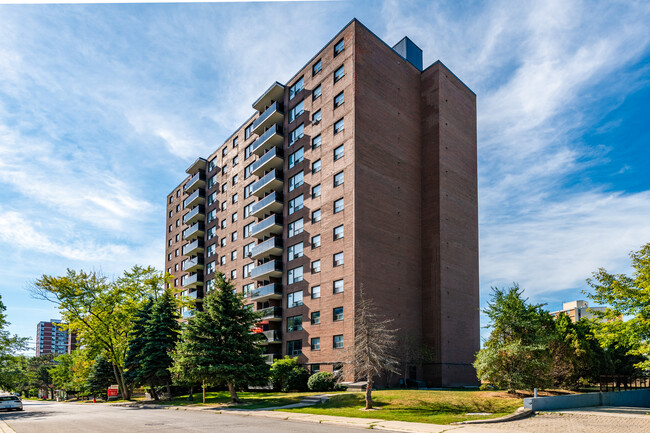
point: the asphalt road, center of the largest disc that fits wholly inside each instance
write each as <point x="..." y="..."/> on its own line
<point x="39" y="417"/>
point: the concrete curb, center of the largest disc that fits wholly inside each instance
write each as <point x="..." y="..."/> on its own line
<point x="4" y="428"/>
<point x="520" y="413"/>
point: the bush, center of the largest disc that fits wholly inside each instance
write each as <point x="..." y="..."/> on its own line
<point x="287" y="375"/>
<point x="321" y="381"/>
<point x="297" y="379"/>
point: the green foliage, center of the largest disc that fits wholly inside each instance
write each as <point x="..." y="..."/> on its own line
<point x="322" y="381"/>
<point x="626" y="296"/>
<point x="280" y="370"/>
<point x="297" y="379"/>
<point x="101" y="375"/>
<point x="138" y="339"/>
<point x="216" y="345"/>
<point x="15" y="374"/>
<point x="9" y="344"/>
<point x="62" y="372"/>
<point x="516" y="355"/>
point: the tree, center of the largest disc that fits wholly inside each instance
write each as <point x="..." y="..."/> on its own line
<point x="287" y="375"/>
<point x="101" y="311"/>
<point x="411" y="352"/>
<point x="40" y="375"/>
<point x="216" y="345"/>
<point x="101" y="376"/>
<point x="374" y="344"/>
<point x="15" y="374"/>
<point x="626" y="296"/>
<point x="62" y="373"/>
<point x="9" y="344"/>
<point x="516" y="355"/>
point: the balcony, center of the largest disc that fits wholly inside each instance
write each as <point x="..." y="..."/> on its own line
<point x="194" y="231"/>
<point x="273" y="159"/>
<point x="271" y="269"/>
<point x="272" y="337"/>
<point x="264" y="293"/>
<point x="197" y="181"/>
<point x="273" y="93"/>
<point x="271" y="116"/>
<point x="196" y="198"/>
<point x="270" y="357"/>
<point x="197" y="166"/>
<point x="269" y="226"/>
<point x="192" y="280"/>
<point x="271" y="313"/>
<point x="272" y="181"/>
<point x="271" y="203"/>
<point x="270" y="247"/>
<point x="193" y="295"/>
<point x="272" y="137"/>
<point x="193" y="248"/>
<point x="192" y="265"/>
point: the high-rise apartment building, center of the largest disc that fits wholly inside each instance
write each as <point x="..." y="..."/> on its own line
<point x="577" y="310"/>
<point x="51" y="338"/>
<point x="359" y="171"/>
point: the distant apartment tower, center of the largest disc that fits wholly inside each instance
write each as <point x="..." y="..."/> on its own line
<point x="577" y="310"/>
<point x="360" y="170"/>
<point x="51" y="338"/>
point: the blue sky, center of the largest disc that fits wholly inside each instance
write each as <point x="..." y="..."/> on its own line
<point x="101" y="104"/>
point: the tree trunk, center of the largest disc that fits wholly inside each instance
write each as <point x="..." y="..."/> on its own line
<point x="154" y="394"/>
<point x="203" y="391"/>
<point x="126" y="395"/>
<point x="233" y="392"/>
<point x="169" y="391"/>
<point x="369" y="393"/>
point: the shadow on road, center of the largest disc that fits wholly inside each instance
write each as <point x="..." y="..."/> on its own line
<point x="25" y="414"/>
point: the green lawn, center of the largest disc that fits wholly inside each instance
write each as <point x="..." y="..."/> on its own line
<point x="249" y="400"/>
<point x="436" y="407"/>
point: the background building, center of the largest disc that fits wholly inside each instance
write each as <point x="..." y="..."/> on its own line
<point x="52" y="339"/>
<point x="577" y="310"/>
<point x="360" y="170"/>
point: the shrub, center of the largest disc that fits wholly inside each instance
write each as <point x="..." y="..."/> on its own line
<point x="296" y="379"/>
<point x="321" y="381"/>
<point x="286" y="374"/>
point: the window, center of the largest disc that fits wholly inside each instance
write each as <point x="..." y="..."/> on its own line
<point x="178" y="193"/>
<point x="212" y="249"/>
<point x="233" y="255"/>
<point x="338" y="205"/>
<point x="248" y="131"/>
<point x="212" y="181"/>
<point x="315" y="216"/>
<point x="338" y="314"/>
<point x="235" y="179"/>
<point x="296" y="157"/>
<point x="248" y="229"/>
<point x="316" y="117"/>
<point x="338" y="286"/>
<point x="296" y="180"/>
<point x="295" y="227"/>
<point x="224" y="187"/>
<point x="339" y="47"/>
<point x="223" y="205"/>
<point x="338" y="342"/>
<point x="315" y="343"/>
<point x="235" y="142"/>
<point x="315" y="241"/>
<point x="171" y="228"/>
<point x="248" y="209"/>
<point x="315" y="191"/>
<point x="297" y="134"/>
<point x="223" y="223"/>
<point x="171" y="212"/>
<point x="316" y="166"/>
<point x="169" y="256"/>
<point x="315" y="142"/>
<point x="294" y="347"/>
<point x="235" y="197"/>
<point x="176" y="252"/>
<point x="235" y="161"/>
<point x="222" y="260"/>
<point x="318" y="66"/>
<point x="212" y="198"/>
<point x="295" y="251"/>
<point x="212" y="164"/>
<point x="233" y="274"/>
<point x="317" y="92"/>
<point x="338" y="232"/>
<point x="212" y="232"/>
<point x="338" y="179"/>
<point x="248" y="190"/>
<point x="169" y="243"/>
<point x="339" y="126"/>
<point x="247" y="270"/>
<point x="222" y="242"/>
<point x="248" y="171"/>
<point x="177" y="237"/>
<point x="294" y="299"/>
<point x="247" y="289"/>
<point x="339" y="100"/>
<point x="233" y="236"/>
<point x="339" y="73"/>
<point x="178" y="223"/>
<point x="295" y="275"/>
<point x="315" y="266"/>
<point x="224" y="169"/>
<point x="338" y="259"/>
<point x="294" y="323"/>
<point x="296" y="204"/>
<point x="248" y="151"/>
<point x="234" y="217"/>
<point x="212" y="215"/>
<point x="176" y="267"/>
<point x="210" y="268"/>
<point x="171" y="198"/>
<point x="178" y="208"/>
<point x="296" y="111"/>
<point x="296" y="88"/>
<point x="315" y="294"/>
<point x="224" y="151"/>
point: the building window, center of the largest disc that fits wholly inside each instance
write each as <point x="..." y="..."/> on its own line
<point x="315" y="241"/>
<point x="209" y="269"/>
<point x="339" y="126"/>
<point x="338" y="179"/>
<point x="295" y="227"/>
<point x="169" y="243"/>
<point x="296" y="204"/>
<point x="315" y="216"/>
<point x="176" y="252"/>
<point x="247" y="270"/>
<point x="339" y="73"/>
<point x="294" y="323"/>
<point x="224" y="169"/>
<point x="315" y="343"/>
<point x="338" y="286"/>
<point x="234" y="217"/>
<point x="296" y="88"/>
<point x="212" y="181"/>
<point x="176" y="237"/>
<point x="235" y="142"/>
<point x="316" y="117"/>
<point x="212" y="164"/>
<point x="224" y="151"/>
<point x="339" y="205"/>
<point x="294" y="299"/>
<point x="315" y="191"/>
<point x="233" y="274"/>
<point x="248" y="190"/>
<point x="171" y="198"/>
<point x="318" y="66"/>
<point x="212" y="198"/>
<point x="315" y="294"/>
<point x="317" y="92"/>
<point x="296" y="157"/>
<point x="296" y="111"/>
<point x="222" y="260"/>
<point x="235" y="197"/>
<point x="315" y="266"/>
<point x="338" y="314"/>
<point x="235" y="179"/>
<point x="248" y="151"/>
<point x="315" y="142"/>
<point x="233" y="236"/>
<point x="178" y="208"/>
<point x="223" y="223"/>
<point x="224" y="187"/>
<point x="248" y="171"/>
<point x="248" y="229"/>
<point x="212" y="249"/>
<point x="338" y="342"/>
<point x="339" y="100"/>
<point x="169" y="256"/>
<point x="171" y="212"/>
<point x="316" y="166"/>
<point x="247" y="289"/>
<point x="295" y="275"/>
<point x="339" y="47"/>
<point x="248" y="248"/>
<point x="235" y="161"/>
<point x="338" y="259"/>
<point x="295" y="251"/>
<point x="224" y="205"/>
<point x="171" y="228"/>
<point x="176" y="267"/>
<point x="338" y="232"/>
<point x="296" y="180"/>
<point x="248" y="131"/>
<point x="212" y="232"/>
<point x="178" y="223"/>
<point x="296" y="134"/>
<point x="223" y="242"/>
<point x="248" y="209"/>
<point x="294" y="347"/>
<point x="233" y="255"/>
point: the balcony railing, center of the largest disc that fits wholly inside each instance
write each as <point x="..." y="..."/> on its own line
<point x="272" y="246"/>
<point x="272" y="181"/>
<point x="270" y="357"/>
<point x="271" y="159"/>
<point x="195" y="230"/>
<point x="270" y="291"/>
<point x="268" y="226"/>
<point x="195" y="198"/>
<point x="273" y="114"/>
<point x="266" y="270"/>
<point x="194" y="294"/>
<point x="271" y="313"/>
<point x="271" y="203"/>
<point x="273" y="336"/>
<point x="194" y="215"/>
<point x="192" y="280"/>
<point x="193" y="247"/>
<point x="272" y="137"/>
<point x="190" y="265"/>
<point x="196" y="181"/>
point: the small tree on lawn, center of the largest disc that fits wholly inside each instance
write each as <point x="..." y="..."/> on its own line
<point x="217" y="346"/>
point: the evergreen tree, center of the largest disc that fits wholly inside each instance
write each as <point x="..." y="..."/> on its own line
<point x="101" y="375"/>
<point x="217" y="347"/>
<point x="138" y="340"/>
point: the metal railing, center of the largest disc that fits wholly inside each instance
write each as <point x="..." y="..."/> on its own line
<point x="614" y="383"/>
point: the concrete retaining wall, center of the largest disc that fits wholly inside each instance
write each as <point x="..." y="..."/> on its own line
<point x="633" y="398"/>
